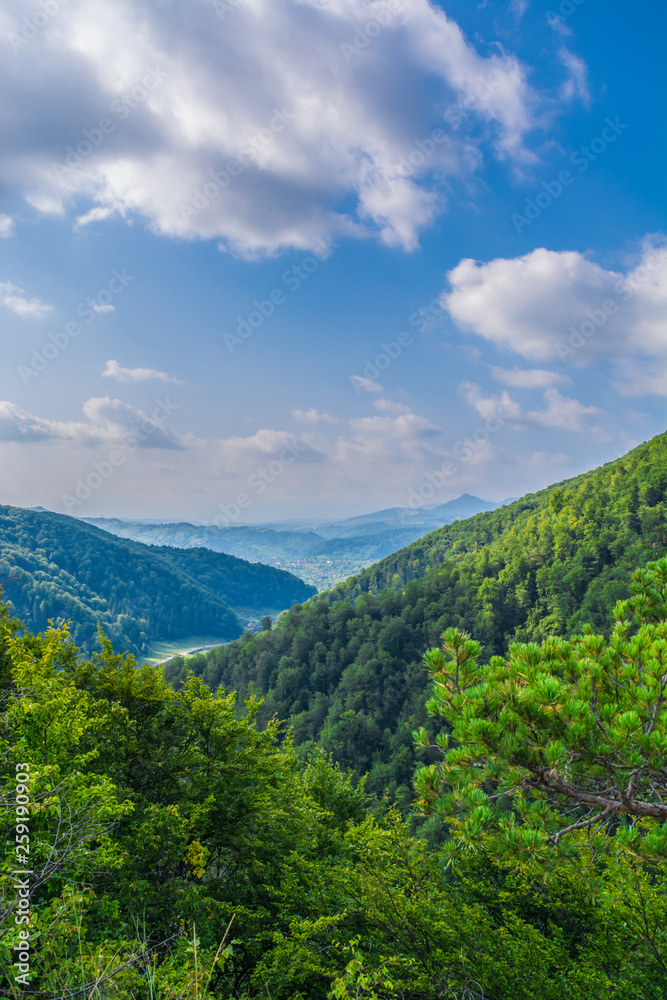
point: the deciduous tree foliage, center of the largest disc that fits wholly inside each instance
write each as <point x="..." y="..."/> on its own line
<point x="202" y="858"/>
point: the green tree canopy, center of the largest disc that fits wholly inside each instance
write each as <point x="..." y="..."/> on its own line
<point x="567" y="737"/>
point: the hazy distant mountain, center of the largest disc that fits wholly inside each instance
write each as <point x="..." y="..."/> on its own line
<point x="321" y="554"/>
<point x="428" y="518"/>
<point x="464" y="506"/>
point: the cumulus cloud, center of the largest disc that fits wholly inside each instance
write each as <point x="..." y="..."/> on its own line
<point x="388" y="406"/>
<point x="528" y="378"/>
<point x="563" y="412"/>
<point x="120" y="420"/>
<point x="138" y="114"/>
<point x="240" y="454"/>
<point x="560" y="411"/>
<point x="312" y="416"/>
<point x="18" y="425"/>
<point x="406" y="424"/>
<point x="375" y="442"/>
<point x="114" y="370"/>
<point x="6" y="227"/>
<point x="490" y="407"/>
<point x="550" y="305"/>
<point x="15" y="299"/>
<point x="108" y="422"/>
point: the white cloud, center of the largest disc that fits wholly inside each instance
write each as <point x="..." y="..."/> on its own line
<point x="490" y="407"/>
<point x="405" y="425"/>
<point x="557" y="23"/>
<point x="550" y="305"/>
<point x="563" y="412"/>
<point x="119" y="419"/>
<point x="362" y="384"/>
<point x="380" y="442"/>
<point x="641" y="378"/>
<point x="528" y="378"/>
<point x="14" y="298"/>
<point x="240" y="454"/>
<point x="94" y="215"/>
<point x="576" y="84"/>
<point x="375" y="463"/>
<point x="103" y="307"/>
<point x="519" y="8"/>
<point x="312" y="416"/>
<point x="388" y="406"/>
<point x="18" y="425"/>
<point x="322" y="131"/>
<point x="6" y="227"/>
<point x="108" y="422"/>
<point x="114" y="370"/>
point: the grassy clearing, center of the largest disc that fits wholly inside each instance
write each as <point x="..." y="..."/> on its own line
<point x="159" y="651"/>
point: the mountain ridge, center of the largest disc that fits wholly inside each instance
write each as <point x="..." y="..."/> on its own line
<point x="321" y="554"/>
<point x="56" y="567"/>
<point x="346" y="668"/>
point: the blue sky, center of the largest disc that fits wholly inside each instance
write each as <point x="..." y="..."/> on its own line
<point x="433" y="259"/>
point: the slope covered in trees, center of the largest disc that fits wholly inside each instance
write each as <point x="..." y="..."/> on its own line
<point x="169" y="849"/>
<point x="346" y="668"/>
<point x="56" y="567"/>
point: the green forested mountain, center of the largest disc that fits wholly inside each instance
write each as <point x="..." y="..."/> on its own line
<point x="173" y="849"/>
<point x="57" y="567"/>
<point x="346" y="668"/>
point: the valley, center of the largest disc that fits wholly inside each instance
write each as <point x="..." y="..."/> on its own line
<point x="333" y="500"/>
<point x="58" y="568"/>
<point x="321" y="554"/>
<point x="303" y="778"/>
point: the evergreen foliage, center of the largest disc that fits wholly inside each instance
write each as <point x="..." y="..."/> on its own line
<point x="563" y="738"/>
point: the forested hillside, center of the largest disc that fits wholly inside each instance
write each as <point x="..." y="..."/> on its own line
<point x="175" y="850"/>
<point x="57" y="567"/>
<point x="346" y="668"/>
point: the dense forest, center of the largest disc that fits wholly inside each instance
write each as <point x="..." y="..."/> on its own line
<point x="171" y="849"/>
<point x="346" y="668"/>
<point x="57" y="567"/>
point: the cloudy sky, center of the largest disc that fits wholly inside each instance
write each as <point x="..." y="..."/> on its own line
<point x="272" y="258"/>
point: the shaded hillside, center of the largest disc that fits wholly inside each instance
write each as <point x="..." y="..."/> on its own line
<point x="346" y="668"/>
<point x="57" y="567"/>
